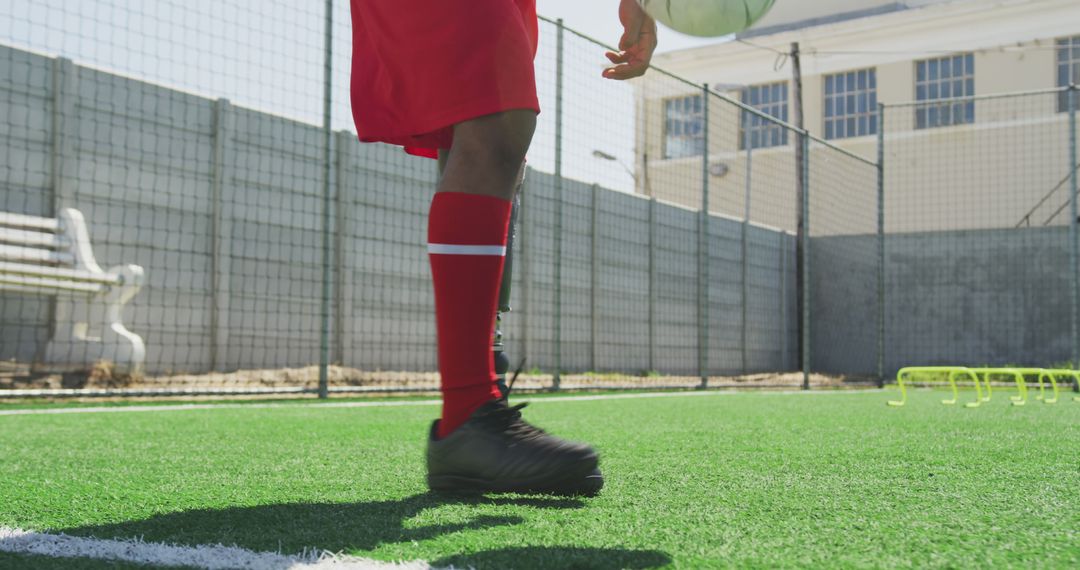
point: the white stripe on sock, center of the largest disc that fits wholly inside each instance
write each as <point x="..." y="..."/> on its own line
<point x="451" y="249"/>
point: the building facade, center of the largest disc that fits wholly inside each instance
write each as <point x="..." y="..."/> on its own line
<point x="932" y="62"/>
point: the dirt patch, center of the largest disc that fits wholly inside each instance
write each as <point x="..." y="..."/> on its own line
<point x="102" y="376"/>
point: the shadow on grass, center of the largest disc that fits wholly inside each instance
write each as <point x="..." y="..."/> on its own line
<point x="558" y="557"/>
<point x="361" y="527"/>
<point x="335" y="527"/>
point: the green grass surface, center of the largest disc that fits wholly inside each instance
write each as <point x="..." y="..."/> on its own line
<point x="749" y="480"/>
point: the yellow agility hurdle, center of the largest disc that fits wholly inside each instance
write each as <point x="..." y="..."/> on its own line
<point x="1050" y="375"/>
<point x="950" y="372"/>
<point x="1015" y="373"/>
<point x="1074" y="374"/>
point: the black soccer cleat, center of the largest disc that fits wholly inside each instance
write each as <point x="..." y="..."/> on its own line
<point x="496" y="451"/>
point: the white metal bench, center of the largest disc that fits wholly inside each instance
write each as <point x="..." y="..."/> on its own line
<point x="52" y="256"/>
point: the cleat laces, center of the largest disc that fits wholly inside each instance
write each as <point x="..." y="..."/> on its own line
<point x="507" y="418"/>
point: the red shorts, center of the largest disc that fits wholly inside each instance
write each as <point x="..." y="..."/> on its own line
<point x="421" y="66"/>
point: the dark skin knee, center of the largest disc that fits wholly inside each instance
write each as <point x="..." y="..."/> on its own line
<point x="487" y="154"/>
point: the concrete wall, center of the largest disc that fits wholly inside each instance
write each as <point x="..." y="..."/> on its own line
<point x="974" y="298"/>
<point x="223" y="207"/>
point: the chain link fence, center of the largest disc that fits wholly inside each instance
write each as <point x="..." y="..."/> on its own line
<point x="249" y="243"/>
<point x="980" y="231"/>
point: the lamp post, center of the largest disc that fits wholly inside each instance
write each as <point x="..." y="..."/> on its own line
<point x="610" y="157"/>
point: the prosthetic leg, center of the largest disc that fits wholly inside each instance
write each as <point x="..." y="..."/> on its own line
<point x="498" y="352"/>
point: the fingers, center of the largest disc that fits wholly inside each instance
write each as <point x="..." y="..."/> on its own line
<point x="626" y="66"/>
<point x="626" y="71"/>
<point x="617" y="56"/>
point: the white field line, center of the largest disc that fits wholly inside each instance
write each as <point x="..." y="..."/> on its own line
<point x="381" y="404"/>
<point x="211" y="557"/>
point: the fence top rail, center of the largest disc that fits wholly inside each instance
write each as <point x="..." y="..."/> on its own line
<point x="984" y="97"/>
<point x="652" y="68"/>
<point x="724" y="97"/>
<point x="844" y="151"/>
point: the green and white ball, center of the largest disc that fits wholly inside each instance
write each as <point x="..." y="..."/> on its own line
<point x="707" y="18"/>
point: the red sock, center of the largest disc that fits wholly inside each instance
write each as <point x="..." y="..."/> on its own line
<point x="466" y="246"/>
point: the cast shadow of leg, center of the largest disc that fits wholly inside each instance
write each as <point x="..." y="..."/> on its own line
<point x="294" y="527"/>
<point x="557" y="557"/>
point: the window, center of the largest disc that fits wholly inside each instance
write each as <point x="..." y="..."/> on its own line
<point x="1068" y="68"/>
<point x="942" y="79"/>
<point x="771" y="99"/>
<point x="684" y="127"/>
<point x="851" y="104"/>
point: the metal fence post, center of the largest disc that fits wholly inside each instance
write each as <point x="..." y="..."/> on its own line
<point x="343" y="288"/>
<point x="703" y="248"/>
<point x="219" y="229"/>
<point x="805" y="169"/>
<point x="65" y="85"/>
<point x="557" y="377"/>
<point x="783" y="302"/>
<point x="593" y="279"/>
<point x="744" y="270"/>
<point x="881" y="246"/>
<point x="328" y="160"/>
<point x="1074" y="254"/>
<point x="652" y="283"/>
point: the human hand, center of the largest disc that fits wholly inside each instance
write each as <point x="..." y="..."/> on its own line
<point x="637" y="44"/>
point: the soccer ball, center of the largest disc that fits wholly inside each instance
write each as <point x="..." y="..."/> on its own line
<point x="707" y="18"/>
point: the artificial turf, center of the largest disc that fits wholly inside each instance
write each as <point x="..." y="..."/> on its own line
<point x="748" y="480"/>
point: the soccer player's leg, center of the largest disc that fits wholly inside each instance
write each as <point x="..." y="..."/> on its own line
<point x="481" y="443"/>
<point x="500" y="359"/>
